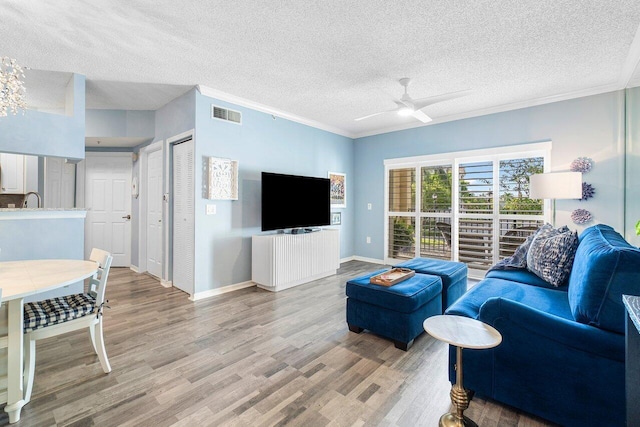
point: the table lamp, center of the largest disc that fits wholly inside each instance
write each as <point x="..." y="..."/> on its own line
<point x="556" y="185"/>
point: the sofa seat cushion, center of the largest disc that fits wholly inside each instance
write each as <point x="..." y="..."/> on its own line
<point x="405" y="297"/>
<point x="551" y="301"/>
<point x="605" y="268"/>
<point x="523" y="276"/>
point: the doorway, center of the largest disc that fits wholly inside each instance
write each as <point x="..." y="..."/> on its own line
<point x="108" y="203"/>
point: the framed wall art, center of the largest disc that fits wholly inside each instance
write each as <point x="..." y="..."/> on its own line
<point x="336" y="218"/>
<point x="338" y="189"/>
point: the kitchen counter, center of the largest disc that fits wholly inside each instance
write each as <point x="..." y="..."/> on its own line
<point x="41" y="213"/>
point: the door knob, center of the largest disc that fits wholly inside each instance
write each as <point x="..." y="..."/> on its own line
<point x="127" y="217"/>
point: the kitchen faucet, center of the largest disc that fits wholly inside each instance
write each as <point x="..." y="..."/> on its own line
<point x="26" y="196"/>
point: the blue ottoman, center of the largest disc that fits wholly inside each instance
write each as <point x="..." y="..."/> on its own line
<point x="453" y="275"/>
<point x="396" y="312"/>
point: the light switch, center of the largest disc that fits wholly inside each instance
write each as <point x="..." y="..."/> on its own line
<point x="369" y="206"/>
<point x="211" y="209"/>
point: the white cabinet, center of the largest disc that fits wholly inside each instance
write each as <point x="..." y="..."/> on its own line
<point x="281" y="261"/>
<point x="12" y="173"/>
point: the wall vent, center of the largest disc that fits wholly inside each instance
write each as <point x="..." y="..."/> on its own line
<point x="226" y="114"/>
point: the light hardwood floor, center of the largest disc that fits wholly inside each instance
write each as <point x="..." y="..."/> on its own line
<point x="245" y="358"/>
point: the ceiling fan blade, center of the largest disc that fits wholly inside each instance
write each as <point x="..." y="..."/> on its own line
<point x="430" y="100"/>
<point x="376" y="114"/>
<point x="421" y="116"/>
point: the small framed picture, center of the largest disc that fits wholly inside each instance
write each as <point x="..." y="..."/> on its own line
<point x="338" y="191"/>
<point x="336" y="218"/>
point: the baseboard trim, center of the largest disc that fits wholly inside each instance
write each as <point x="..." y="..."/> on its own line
<point x="347" y="259"/>
<point x="166" y="283"/>
<point x="134" y="268"/>
<point x="371" y="260"/>
<point x="218" y="291"/>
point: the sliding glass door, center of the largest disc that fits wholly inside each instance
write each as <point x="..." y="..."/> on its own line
<point x="474" y="209"/>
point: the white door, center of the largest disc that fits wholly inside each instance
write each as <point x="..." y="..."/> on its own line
<point x="183" y="216"/>
<point x="154" y="213"/>
<point x="108" y="203"/>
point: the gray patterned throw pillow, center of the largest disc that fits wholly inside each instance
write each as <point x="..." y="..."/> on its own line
<point x="551" y="254"/>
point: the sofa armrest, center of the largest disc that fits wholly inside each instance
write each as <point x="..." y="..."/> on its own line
<point x="567" y="333"/>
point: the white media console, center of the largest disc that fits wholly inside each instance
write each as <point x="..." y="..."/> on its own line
<point x="281" y="261"/>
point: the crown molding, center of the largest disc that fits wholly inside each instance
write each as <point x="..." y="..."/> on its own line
<point x="498" y="109"/>
<point x="631" y="64"/>
<point x="612" y="87"/>
<point x="223" y="96"/>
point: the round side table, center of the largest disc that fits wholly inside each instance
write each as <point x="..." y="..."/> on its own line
<point x="461" y="332"/>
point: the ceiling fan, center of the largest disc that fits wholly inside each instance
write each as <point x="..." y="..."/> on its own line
<point x="407" y="106"/>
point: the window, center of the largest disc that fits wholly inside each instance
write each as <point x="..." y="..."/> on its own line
<point x="474" y="207"/>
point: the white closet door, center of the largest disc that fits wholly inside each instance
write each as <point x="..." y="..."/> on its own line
<point x="154" y="213"/>
<point x="183" y="216"/>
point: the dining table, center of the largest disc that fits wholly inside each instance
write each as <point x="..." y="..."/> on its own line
<point x="19" y="280"/>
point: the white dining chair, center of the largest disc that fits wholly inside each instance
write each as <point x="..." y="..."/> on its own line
<point x="56" y="316"/>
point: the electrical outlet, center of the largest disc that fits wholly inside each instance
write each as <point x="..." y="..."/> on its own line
<point x="368" y="239"/>
<point x="211" y="209"/>
<point x="369" y="206"/>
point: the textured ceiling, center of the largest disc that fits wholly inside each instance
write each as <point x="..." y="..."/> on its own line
<point x="332" y="61"/>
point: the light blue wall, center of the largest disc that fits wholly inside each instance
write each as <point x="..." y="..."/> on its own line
<point x="45" y="134"/>
<point x="632" y="198"/>
<point x="591" y="126"/>
<point x="24" y="239"/>
<point x="120" y="123"/>
<point x="223" y="240"/>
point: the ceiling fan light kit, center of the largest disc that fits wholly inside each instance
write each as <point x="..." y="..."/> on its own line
<point x="407" y="106"/>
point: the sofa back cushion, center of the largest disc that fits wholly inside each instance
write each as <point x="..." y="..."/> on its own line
<point x="605" y="268"/>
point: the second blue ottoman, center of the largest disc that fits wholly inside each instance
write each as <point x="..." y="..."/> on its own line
<point x="396" y="312"/>
<point x="452" y="273"/>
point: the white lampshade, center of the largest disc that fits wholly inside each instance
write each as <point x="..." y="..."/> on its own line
<point x="557" y="185"/>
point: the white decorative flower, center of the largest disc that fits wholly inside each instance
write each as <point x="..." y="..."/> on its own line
<point x="581" y="164"/>
<point x="581" y="216"/>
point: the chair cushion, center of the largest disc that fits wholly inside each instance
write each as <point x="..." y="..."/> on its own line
<point x="551" y="254"/>
<point x="49" y="312"/>
<point x="606" y="267"/>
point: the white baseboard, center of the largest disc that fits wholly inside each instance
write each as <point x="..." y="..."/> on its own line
<point x="347" y="259"/>
<point x="365" y="259"/>
<point x="134" y="268"/>
<point x="218" y="291"/>
<point x="166" y="283"/>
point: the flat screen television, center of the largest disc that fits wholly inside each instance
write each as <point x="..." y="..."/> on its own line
<point x="292" y="201"/>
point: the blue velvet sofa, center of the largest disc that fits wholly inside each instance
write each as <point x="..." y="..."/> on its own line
<point x="563" y="349"/>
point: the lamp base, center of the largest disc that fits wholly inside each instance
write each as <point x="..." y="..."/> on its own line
<point x="450" y="420"/>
